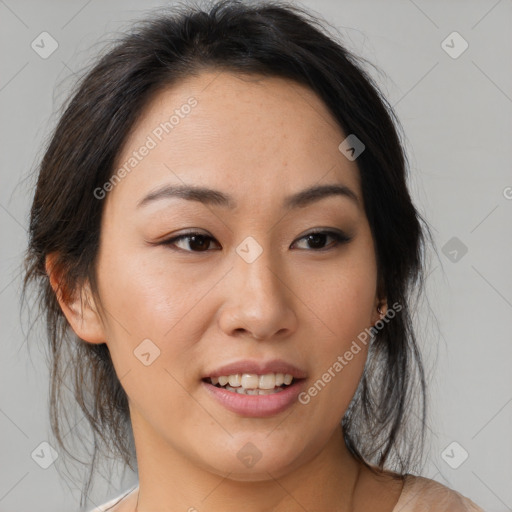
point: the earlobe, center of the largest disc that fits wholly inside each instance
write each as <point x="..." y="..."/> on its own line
<point x="381" y="303"/>
<point x="380" y="310"/>
<point x="78" y="306"/>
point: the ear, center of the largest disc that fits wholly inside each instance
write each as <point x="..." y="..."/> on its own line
<point x="78" y="306"/>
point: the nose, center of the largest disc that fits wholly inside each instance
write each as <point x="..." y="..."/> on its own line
<point x="259" y="300"/>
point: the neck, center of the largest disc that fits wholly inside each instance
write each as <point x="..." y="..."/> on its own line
<point x="169" y="481"/>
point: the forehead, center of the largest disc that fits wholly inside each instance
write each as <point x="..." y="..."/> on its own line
<point x="260" y="137"/>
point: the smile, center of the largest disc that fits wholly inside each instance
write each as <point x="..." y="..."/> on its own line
<point x="254" y="402"/>
<point x="252" y="383"/>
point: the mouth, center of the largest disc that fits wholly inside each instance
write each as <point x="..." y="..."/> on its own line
<point x="255" y="389"/>
<point x="252" y="383"/>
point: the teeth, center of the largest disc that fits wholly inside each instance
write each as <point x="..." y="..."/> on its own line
<point x="267" y="381"/>
<point x="234" y="380"/>
<point x="250" y="381"/>
<point x="253" y="384"/>
<point x="243" y="391"/>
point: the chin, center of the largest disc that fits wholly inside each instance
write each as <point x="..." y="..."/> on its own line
<point x="255" y="459"/>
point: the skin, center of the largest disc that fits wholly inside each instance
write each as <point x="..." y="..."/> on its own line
<point x="259" y="140"/>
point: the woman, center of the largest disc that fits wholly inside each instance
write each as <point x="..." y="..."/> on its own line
<point x="226" y="247"/>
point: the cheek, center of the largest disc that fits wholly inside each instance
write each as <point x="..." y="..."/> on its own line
<point x="342" y="302"/>
<point x="145" y="302"/>
<point x="151" y="337"/>
<point x="339" y="350"/>
<point x="145" y="288"/>
<point x="343" y="299"/>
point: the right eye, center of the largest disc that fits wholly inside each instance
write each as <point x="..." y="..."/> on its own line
<point x="197" y="242"/>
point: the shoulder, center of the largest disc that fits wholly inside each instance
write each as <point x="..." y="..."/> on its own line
<point x="422" y="494"/>
<point x="125" y="502"/>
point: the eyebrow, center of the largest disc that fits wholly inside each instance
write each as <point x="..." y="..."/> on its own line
<point x="212" y="197"/>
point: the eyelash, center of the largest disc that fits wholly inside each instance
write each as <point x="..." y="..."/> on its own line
<point x="340" y="238"/>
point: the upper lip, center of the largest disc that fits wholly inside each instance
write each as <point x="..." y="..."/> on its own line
<point x="258" y="367"/>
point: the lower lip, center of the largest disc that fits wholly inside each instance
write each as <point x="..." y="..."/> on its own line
<point x="256" y="406"/>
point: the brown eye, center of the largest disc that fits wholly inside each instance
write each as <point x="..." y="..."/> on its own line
<point x="317" y="239"/>
<point x="196" y="242"/>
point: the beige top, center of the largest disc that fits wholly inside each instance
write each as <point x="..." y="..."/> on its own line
<point x="425" y="495"/>
<point x="419" y="494"/>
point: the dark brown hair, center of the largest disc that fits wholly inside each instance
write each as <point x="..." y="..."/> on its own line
<point x="269" y="39"/>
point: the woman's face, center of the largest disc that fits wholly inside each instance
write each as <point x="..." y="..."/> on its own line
<point x="251" y="290"/>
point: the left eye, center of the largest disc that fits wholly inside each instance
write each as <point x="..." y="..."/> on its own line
<point x="199" y="242"/>
<point x="317" y="238"/>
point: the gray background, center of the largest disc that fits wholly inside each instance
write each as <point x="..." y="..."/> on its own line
<point x="456" y="113"/>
